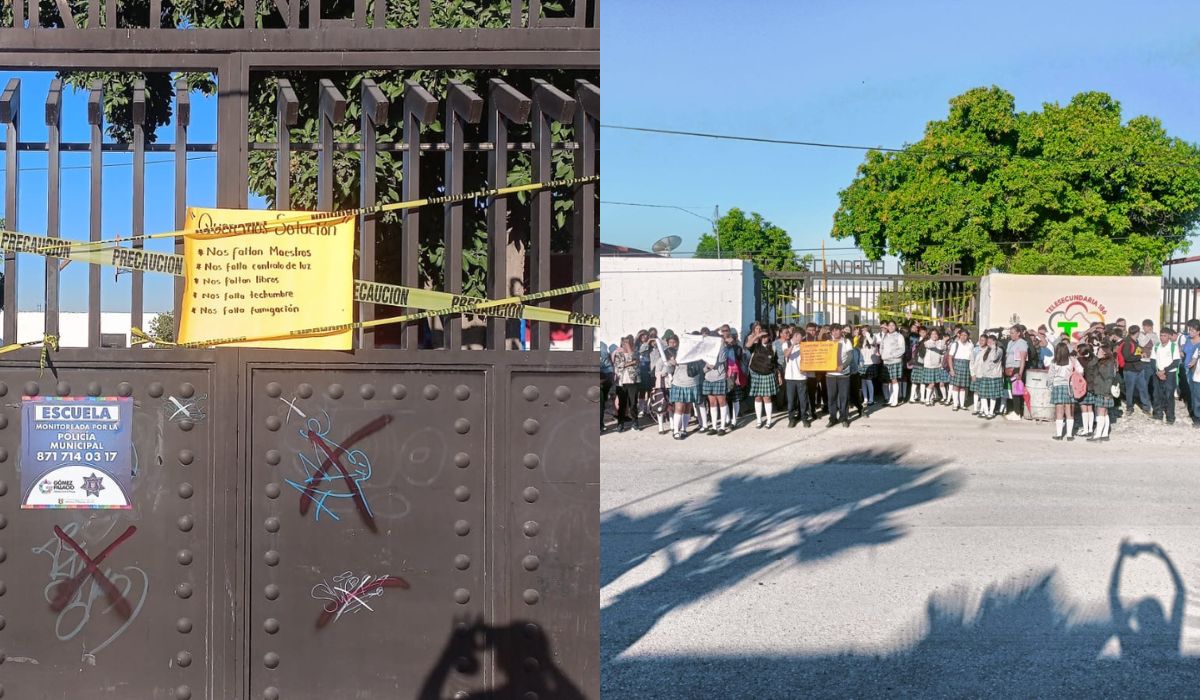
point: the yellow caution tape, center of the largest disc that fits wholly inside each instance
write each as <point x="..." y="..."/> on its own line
<point x="364" y="291"/>
<point x="878" y="311"/>
<point x="509" y="307"/>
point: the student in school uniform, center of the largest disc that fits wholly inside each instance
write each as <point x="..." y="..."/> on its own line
<point x="891" y="352"/>
<point x="1136" y="390"/>
<point x="795" y="385"/>
<point x="606" y="380"/>
<point x="685" y="391"/>
<point x="975" y="370"/>
<point x="990" y="382"/>
<point x="959" y="354"/>
<point x="868" y="347"/>
<point x="1016" y="358"/>
<point x="713" y="389"/>
<point x="916" y="364"/>
<point x="739" y="380"/>
<point x="1146" y="341"/>
<point x="1165" y="357"/>
<point x="1191" y="351"/>
<point x="934" y="361"/>
<point x="627" y="367"/>
<point x="763" y="386"/>
<point x="1058" y="377"/>
<point x="855" y="372"/>
<point x="1087" y="359"/>
<point x="660" y="394"/>
<point x="1101" y="375"/>
<point x="837" y="382"/>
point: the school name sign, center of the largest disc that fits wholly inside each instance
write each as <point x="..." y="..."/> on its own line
<point x="1067" y="304"/>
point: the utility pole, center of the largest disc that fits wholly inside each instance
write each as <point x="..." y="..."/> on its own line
<point x="716" y="231"/>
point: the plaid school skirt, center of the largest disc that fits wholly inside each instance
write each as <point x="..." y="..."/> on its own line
<point x="1061" y="395"/>
<point x="990" y="387"/>
<point x="762" y="384"/>
<point x="962" y="373"/>
<point x="894" y="370"/>
<point x="867" y="370"/>
<point x="1102" y="400"/>
<point x="685" y="394"/>
<point x="920" y="375"/>
<point x="719" y="387"/>
<point x="936" y="375"/>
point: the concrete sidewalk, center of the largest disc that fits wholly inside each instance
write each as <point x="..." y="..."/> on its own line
<point x="920" y="552"/>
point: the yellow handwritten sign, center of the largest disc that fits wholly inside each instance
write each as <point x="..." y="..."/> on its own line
<point x="818" y="356"/>
<point x="245" y="279"/>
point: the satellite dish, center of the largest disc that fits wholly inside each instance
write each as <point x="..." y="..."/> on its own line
<point x="666" y="244"/>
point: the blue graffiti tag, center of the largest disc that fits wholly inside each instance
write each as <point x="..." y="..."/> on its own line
<point x="321" y="485"/>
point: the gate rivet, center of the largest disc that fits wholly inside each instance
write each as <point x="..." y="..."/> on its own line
<point x="184" y="590"/>
<point x="185" y="490"/>
<point x="273" y="457"/>
<point x="462" y="562"/>
<point x="562" y="393"/>
<point x="531" y="494"/>
<point x="462" y="460"/>
<point x="462" y="695"/>
<point x="3" y="522"/>
<point x="430" y="392"/>
<point x="186" y="390"/>
<point x="271" y="694"/>
<point x="3" y="488"/>
<point x="273" y="423"/>
<point x="531" y="563"/>
<point x="186" y="425"/>
<point x="531" y="426"/>
<point x="3" y="422"/>
<point x="93" y="389"/>
<point x="271" y="625"/>
<point x="531" y="664"/>
<point x="531" y="528"/>
<point x="274" y="390"/>
<point x="462" y="596"/>
<point x="183" y="692"/>
<point x="593" y="394"/>
<point x="31" y="389"/>
<point x="530" y="596"/>
<point x="271" y="558"/>
<point x="271" y="660"/>
<point x="3" y="455"/>
<point x="530" y="696"/>
<point x="3" y="588"/>
<point x="462" y="426"/>
<point x="532" y="461"/>
<point x="184" y="625"/>
<point x="125" y="389"/>
<point x="3" y="622"/>
<point x="462" y="664"/>
<point x="462" y="528"/>
<point x="399" y="391"/>
<point x="184" y="557"/>
<point x="462" y="494"/>
<point x="304" y="391"/>
<point x="271" y="524"/>
<point x="155" y="389"/>
<point x="272" y="490"/>
<point x="530" y="393"/>
<point x="3" y="555"/>
<point x="462" y="392"/>
<point x="335" y="391"/>
<point x="186" y="457"/>
<point x="367" y="391"/>
<point x="185" y="523"/>
<point x="531" y="631"/>
<point x="271" y="591"/>
<point x="63" y="388"/>
<point x="183" y="659"/>
<point x="3" y="389"/>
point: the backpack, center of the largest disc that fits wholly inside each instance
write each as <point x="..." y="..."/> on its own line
<point x="1079" y="385"/>
<point x="1120" y="356"/>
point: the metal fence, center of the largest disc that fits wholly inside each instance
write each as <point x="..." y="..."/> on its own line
<point x="869" y="298"/>
<point x="1181" y="301"/>
<point x="471" y="475"/>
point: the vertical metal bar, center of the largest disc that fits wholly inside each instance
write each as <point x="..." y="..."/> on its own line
<point x="360" y="13"/>
<point x="139" y="198"/>
<point x="288" y="111"/>
<point x="423" y="13"/>
<point x="156" y="13"/>
<point x="233" y="104"/>
<point x="506" y="104"/>
<point x="374" y="113"/>
<point x="10" y="115"/>
<point x="461" y="104"/>
<point x="93" y="19"/>
<point x="18" y="14"/>
<point x="249" y="14"/>
<point x="515" y="21"/>
<point x="583" y="214"/>
<point x="183" y="116"/>
<point x="96" y="161"/>
<point x="34" y="12"/>
<point x="380" y="14"/>
<point x="314" y="13"/>
<point x="332" y="111"/>
<point x="110" y="13"/>
<point x="53" y="201"/>
<point x="419" y="108"/>
<point x="549" y="105"/>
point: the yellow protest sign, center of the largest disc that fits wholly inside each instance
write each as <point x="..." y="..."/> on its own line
<point x="264" y="281"/>
<point x="818" y="356"/>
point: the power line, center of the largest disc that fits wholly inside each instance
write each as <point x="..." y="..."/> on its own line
<point x="886" y="149"/>
<point x="660" y="206"/>
<point x="159" y="161"/>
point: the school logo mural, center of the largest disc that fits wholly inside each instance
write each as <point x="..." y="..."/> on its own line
<point x="1071" y="315"/>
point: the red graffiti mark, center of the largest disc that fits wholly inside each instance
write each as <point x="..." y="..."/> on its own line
<point x="351" y="596"/>
<point x="334" y="459"/>
<point x="68" y="588"/>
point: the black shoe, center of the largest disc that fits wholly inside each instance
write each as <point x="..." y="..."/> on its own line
<point x="1104" y="439"/>
<point x="710" y="430"/>
<point x="807" y="424"/>
<point x="846" y="424"/>
<point x="1058" y="437"/>
<point x="721" y="431"/>
<point x="759" y="426"/>
<point x="1170" y="422"/>
<point x="1070" y="438"/>
<point x="792" y="422"/>
<point x="621" y="429"/>
<point x="830" y="424"/>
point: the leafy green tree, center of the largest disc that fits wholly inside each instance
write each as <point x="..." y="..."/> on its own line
<point x="751" y="238"/>
<point x="467" y="14"/>
<point x="1065" y="190"/>
<point x="163" y="326"/>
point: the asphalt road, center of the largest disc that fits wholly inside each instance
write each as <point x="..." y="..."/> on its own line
<point x="918" y="553"/>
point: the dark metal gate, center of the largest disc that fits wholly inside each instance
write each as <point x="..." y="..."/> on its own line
<point x="1181" y="301"/>
<point x="451" y="550"/>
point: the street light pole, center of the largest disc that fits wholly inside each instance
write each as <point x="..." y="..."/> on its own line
<point x="716" y="230"/>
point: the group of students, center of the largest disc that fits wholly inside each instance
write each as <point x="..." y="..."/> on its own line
<point x="1085" y="373"/>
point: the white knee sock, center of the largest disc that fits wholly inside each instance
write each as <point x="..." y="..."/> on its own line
<point x="1089" y="420"/>
<point x="989" y="406"/>
<point x="737" y="410"/>
<point x="758" y="411"/>
<point x="1070" y="427"/>
<point x="924" y="392"/>
<point x="725" y="415"/>
<point x="710" y="417"/>
<point x="1106" y="426"/>
<point x="674" y="422"/>
<point x="1058" y="426"/>
<point x="770" y="410"/>
<point x="702" y="415"/>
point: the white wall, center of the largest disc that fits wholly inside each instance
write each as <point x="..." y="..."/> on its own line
<point x="1035" y="299"/>
<point x="683" y="294"/>
<point x="72" y="327"/>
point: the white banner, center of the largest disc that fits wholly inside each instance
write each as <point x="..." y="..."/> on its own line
<point x="696" y="347"/>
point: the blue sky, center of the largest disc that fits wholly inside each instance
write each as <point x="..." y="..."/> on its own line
<point x="867" y="73"/>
